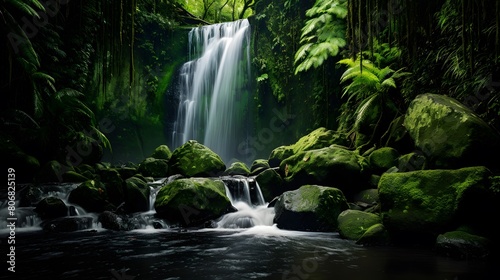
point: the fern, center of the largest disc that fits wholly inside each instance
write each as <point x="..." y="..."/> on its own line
<point x="323" y="35"/>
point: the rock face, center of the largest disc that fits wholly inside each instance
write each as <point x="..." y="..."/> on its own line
<point x="196" y="160"/>
<point x="449" y="133"/>
<point x="193" y="201"/>
<point x="310" y="208"/>
<point x="332" y="166"/>
<point x="428" y="202"/>
<point x="354" y="223"/>
<point x="319" y="138"/>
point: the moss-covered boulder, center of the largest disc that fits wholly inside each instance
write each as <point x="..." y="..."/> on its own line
<point x="237" y="168"/>
<point x="332" y="166"/>
<point x="155" y="168"/>
<point x="463" y="245"/>
<point x="449" y="133"/>
<point x="270" y="183"/>
<point x="162" y="152"/>
<point x="310" y="208"/>
<point x="51" y="208"/>
<point x="91" y="195"/>
<point x="382" y="159"/>
<point x="411" y="162"/>
<point x="422" y="204"/>
<point x="114" y="185"/>
<point x="317" y="139"/>
<point x="353" y="224"/>
<point x="137" y="194"/>
<point x="258" y="166"/>
<point x="196" y="160"/>
<point x="192" y="201"/>
<point x="374" y="235"/>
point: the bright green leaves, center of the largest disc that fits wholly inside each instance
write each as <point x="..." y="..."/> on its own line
<point x="323" y="35"/>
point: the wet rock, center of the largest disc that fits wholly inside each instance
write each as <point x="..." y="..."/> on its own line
<point x="419" y="205"/>
<point x="463" y="245"/>
<point x="450" y="134"/>
<point x="354" y="223"/>
<point x="271" y="184"/>
<point x="51" y="208"/>
<point x="74" y="177"/>
<point x="113" y="183"/>
<point x="137" y="194"/>
<point x="258" y="166"/>
<point x="110" y="220"/>
<point x="152" y="167"/>
<point x="374" y="235"/>
<point x="237" y="168"/>
<point x="332" y="166"/>
<point x="69" y="224"/>
<point x="411" y="162"/>
<point x="310" y="208"/>
<point x="91" y="195"/>
<point x="196" y="160"/>
<point x="192" y="201"/>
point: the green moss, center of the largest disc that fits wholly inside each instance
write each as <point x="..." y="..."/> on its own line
<point x="354" y="223"/>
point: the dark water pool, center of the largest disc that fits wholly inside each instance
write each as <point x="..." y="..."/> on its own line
<point x="258" y="253"/>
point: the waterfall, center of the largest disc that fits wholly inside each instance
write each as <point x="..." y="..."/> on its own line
<point x="213" y="89"/>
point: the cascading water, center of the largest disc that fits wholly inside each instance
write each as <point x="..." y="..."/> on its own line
<point x="214" y="95"/>
<point x="246" y="196"/>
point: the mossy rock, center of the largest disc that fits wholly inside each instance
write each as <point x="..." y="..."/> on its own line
<point x="192" y="201"/>
<point x="51" y="208"/>
<point x="317" y="139"/>
<point x="196" y="160"/>
<point x="114" y="185"/>
<point x="374" y="235"/>
<point x="354" y="223"/>
<point x="332" y="166"/>
<point x="411" y="162"/>
<point x="137" y="194"/>
<point x="424" y="203"/>
<point x="259" y="165"/>
<point x="127" y="172"/>
<point x="156" y="168"/>
<point x="237" y="168"/>
<point x="463" y="245"/>
<point x="91" y="195"/>
<point x="382" y="159"/>
<point x="310" y="208"/>
<point x="162" y="152"/>
<point x="270" y="183"/>
<point x="369" y="196"/>
<point x="449" y="133"/>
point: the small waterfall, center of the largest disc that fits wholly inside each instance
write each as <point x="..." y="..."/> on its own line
<point x="246" y="196"/>
<point x="214" y="97"/>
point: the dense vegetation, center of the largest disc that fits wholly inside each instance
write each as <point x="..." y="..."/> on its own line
<point x="80" y="75"/>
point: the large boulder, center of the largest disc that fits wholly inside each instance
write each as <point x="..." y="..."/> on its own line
<point x="192" y="201"/>
<point x="270" y="183"/>
<point x="382" y="159"/>
<point x="354" y="223"/>
<point x="92" y="196"/>
<point x="332" y="166"/>
<point x="450" y="134"/>
<point x="463" y="245"/>
<point x="419" y="205"/>
<point x="196" y="160"/>
<point x="317" y="139"/>
<point x="137" y="194"/>
<point x="311" y="208"/>
<point x="51" y="208"/>
<point x="152" y="167"/>
<point x="237" y="168"/>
